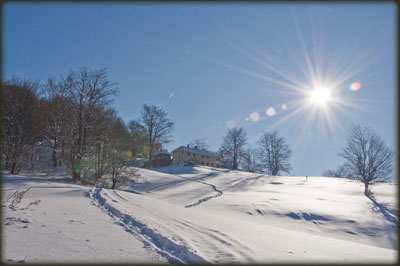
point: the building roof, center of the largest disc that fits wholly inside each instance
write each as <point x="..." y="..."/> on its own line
<point x="197" y="151"/>
<point x="161" y="152"/>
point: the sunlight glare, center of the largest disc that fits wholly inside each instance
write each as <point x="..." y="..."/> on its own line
<point x="320" y="95"/>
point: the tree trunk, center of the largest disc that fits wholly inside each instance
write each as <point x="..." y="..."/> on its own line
<point x="55" y="154"/>
<point x="7" y="164"/>
<point x="13" y="161"/>
<point x="366" y="192"/>
<point x="76" y="173"/>
<point x="114" y="182"/>
<point x="14" y="169"/>
<point x="32" y="168"/>
<point x="151" y="158"/>
<point x="234" y="165"/>
<point x="114" y="178"/>
<point x="62" y="150"/>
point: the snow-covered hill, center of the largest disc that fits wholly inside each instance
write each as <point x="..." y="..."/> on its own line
<point x="200" y="215"/>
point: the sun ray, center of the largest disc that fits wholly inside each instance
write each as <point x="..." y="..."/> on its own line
<point x="244" y="71"/>
<point x="309" y="64"/>
<point x="297" y="83"/>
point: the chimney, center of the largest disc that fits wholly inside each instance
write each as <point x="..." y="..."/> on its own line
<point x="188" y="145"/>
<point x="195" y="147"/>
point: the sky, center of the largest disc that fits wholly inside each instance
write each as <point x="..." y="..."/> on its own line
<point x="214" y="66"/>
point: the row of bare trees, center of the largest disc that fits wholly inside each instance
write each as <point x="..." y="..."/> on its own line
<point x="75" y="114"/>
<point x="271" y="156"/>
<point x="366" y="156"/>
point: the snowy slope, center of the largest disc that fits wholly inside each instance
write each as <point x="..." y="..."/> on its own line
<point x="64" y="226"/>
<point x="205" y="215"/>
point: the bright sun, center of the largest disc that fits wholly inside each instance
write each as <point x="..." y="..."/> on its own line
<point x="320" y="96"/>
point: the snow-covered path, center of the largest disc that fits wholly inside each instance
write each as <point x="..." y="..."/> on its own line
<point x="64" y="227"/>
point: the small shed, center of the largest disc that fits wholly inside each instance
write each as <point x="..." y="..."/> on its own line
<point x="161" y="158"/>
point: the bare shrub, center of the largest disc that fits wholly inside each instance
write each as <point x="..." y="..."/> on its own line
<point x="15" y="198"/>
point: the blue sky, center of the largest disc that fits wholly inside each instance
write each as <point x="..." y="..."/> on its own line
<point x="211" y="66"/>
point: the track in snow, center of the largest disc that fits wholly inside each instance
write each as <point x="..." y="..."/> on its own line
<point x="173" y="252"/>
<point x="202" y="200"/>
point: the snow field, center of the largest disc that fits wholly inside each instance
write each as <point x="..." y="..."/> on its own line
<point x="189" y="215"/>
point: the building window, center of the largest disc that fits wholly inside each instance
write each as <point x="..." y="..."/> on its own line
<point x="202" y="156"/>
<point x="208" y="157"/>
<point x="207" y="164"/>
<point x="194" y="155"/>
<point x="212" y="165"/>
<point x="217" y="165"/>
<point x="189" y="153"/>
<point x="182" y="152"/>
<point x="202" y="163"/>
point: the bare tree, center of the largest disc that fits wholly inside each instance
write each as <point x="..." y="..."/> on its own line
<point x="19" y="103"/>
<point x="57" y="115"/>
<point x="232" y="147"/>
<point x="367" y="157"/>
<point x="342" y="171"/>
<point x="100" y="142"/>
<point x="137" y="134"/>
<point x="87" y="91"/>
<point x="117" y="153"/>
<point x="200" y="143"/>
<point x="274" y="153"/>
<point x="249" y="161"/>
<point x="157" y="127"/>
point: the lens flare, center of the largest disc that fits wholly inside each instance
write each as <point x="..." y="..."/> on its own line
<point x="254" y="117"/>
<point x="284" y="107"/>
<point x="355" y="86"/>
<point x="270" y="111"/>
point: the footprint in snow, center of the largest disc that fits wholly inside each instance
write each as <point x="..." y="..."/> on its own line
<point x="76" y="222"/>
<point x="17" y="261"/>
<point x="12" y="220"/>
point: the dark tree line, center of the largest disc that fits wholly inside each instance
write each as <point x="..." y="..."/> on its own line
<point x="74" y="112"/>
<point x="19" y="130"/>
